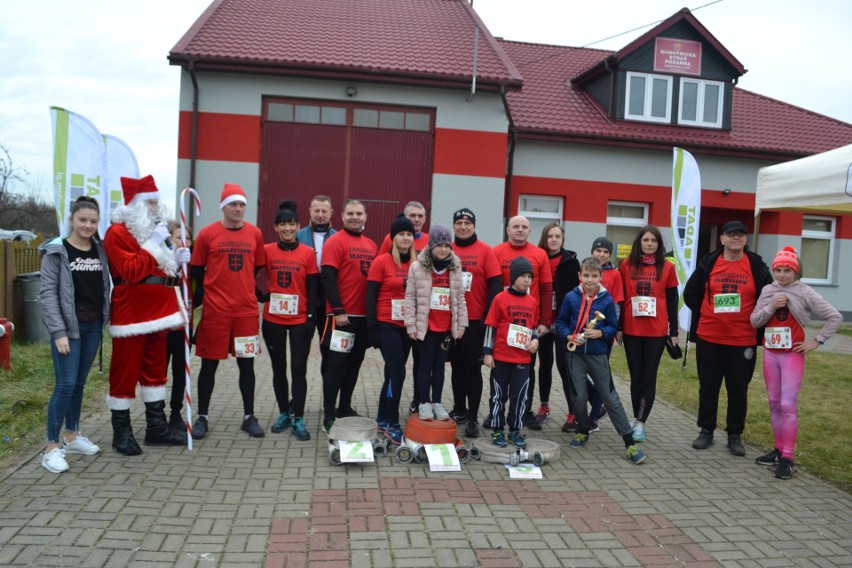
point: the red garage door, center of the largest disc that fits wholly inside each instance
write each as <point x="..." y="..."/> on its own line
<point x="379" y="155"/>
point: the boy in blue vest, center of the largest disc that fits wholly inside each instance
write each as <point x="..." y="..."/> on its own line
<point x="591" y="356"/>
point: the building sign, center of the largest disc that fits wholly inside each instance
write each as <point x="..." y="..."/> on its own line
<point x="677" y="56"/>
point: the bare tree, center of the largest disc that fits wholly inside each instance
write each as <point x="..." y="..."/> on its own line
<point x="9" y="174"/>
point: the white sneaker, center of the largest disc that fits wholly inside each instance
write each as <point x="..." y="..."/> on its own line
<point x="54" y="461"/>
<point x="81" y="445"/>
<point x="426" y="411"/>
<point x="439" y="412"/>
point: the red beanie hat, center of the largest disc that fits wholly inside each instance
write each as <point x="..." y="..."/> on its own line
<point x="136" y="190"/>
<point x="230" y="193"/>
<point x="786" y="258"/>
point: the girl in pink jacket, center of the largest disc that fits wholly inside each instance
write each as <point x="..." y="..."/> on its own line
<point x="785" y="308"/>
<point x="435" y="313"/>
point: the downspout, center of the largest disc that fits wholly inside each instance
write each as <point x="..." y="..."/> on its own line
<point x="193" y="151"/>
<point x="475" y="61"/>
<point x="510" y="161"/>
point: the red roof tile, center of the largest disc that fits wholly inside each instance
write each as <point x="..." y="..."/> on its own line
<point x="549" y="105"/>
<point x="383" y="39"/>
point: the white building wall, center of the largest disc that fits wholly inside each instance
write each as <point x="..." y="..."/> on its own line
<point x="243" y="94"/>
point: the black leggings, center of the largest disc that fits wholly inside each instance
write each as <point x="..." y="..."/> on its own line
<point x="547" y="345"/>
<point x="341" y="375"/>
<point x="275" y="337"/>
<point x="395" y="345"/>
<point x="643" y="362"/>
<point x="207" y="380"/>
<point x="433" y="357"/>
<point x="466" y="363"/>
<point x="175" y="351"/>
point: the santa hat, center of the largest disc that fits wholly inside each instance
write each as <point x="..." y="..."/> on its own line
<point x="786" y="258"/>
<point x="230" y="193"/>
<point x="136" y="190"/>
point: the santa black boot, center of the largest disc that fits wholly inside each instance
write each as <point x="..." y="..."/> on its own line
<point x="123" y="441"/>
<point x="158" y="432"/>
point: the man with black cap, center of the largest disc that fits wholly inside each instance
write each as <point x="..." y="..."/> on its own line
<point x="482" y="281"/>
<point x="721" y="294"/>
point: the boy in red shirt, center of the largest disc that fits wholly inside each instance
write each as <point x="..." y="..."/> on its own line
<point x="511" y="336"/>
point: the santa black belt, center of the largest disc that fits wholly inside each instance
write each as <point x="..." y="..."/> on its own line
<point x="164" y="280"/>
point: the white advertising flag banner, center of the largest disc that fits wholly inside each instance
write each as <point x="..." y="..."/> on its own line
<point x="79" y="164"/>
<point x="686" y="216"/>
<point x="121" y="162"/>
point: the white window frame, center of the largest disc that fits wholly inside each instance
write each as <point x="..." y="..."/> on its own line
<point x="547" y="216"/>
<point x="826" y="235"/>
<point x="625" y="222"/>
<point x="699" y="110"/>
<point x="649" y="84"/>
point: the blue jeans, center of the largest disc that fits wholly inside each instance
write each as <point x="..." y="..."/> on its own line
<point x="70" y="372"/>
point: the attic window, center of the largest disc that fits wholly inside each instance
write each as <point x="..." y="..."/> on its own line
<point x="701" y="103"/>
<point x="649" y="97"/>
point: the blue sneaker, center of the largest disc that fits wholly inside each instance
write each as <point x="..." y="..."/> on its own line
<point x="579" y="441"/>
<point x="498" y="438"/>
<point x="300" y="430"/>
<point x="394" y="433"/>
<point x="284" y="421"/>
<point x="381" y="425"/>
<point x="518" y="440"/>
<point x="635" y="455"/>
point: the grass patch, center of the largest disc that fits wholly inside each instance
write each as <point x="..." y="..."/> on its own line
<point x="24" y="393"/>
<point x="824" y="428"/>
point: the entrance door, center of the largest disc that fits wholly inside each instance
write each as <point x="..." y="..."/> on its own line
<point x="381" y="156"/>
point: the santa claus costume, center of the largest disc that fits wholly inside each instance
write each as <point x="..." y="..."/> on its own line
<point x="146" y="304"/>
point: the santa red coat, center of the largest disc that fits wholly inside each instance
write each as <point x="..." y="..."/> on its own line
<point x="139" y="309"/>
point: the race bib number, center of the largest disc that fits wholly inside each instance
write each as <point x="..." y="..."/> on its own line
<point x="397" y="310"/>
<point x="518" y="336"/>
<point x="440" y="299"/>
<point x="342" y="341"/>
<point x="442" y="457"/>
<point x="644" y="306"/>
<point x="726" y="303"/>
<point x="356" y="452"/>
<point x="778" y="338"/>
<point x="467" y="279"/>
<point x="246" y="347"/>
<point x="284" y="304"/>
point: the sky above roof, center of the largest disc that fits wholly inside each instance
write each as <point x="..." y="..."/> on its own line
<point x="107" y="60"/>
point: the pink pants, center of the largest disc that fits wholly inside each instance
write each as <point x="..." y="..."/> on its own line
<point x="782" y="373"/>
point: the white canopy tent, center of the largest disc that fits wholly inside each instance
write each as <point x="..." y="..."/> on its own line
<point x="820" y="183"/>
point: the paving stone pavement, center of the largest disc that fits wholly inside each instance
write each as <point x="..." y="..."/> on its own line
<point x="278" y="502"/>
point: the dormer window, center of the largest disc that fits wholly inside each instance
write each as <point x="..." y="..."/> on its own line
<point x="649" y="97"/>
<point x="701" y="103"/>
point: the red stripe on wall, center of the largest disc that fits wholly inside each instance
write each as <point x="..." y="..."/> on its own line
<point x="222" y="137"/>
<point x="470" y="152"/>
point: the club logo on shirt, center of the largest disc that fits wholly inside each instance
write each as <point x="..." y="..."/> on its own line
<point x="781" y="314"/>
<point x="729" y="288"/>
<point x="235" y="262"/>
<point x="285" y="278"/>
<point x="643" y="288"/>
<point x="365" y="267"/>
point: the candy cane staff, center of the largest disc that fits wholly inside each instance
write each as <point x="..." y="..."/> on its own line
<point x="187" y="299"/>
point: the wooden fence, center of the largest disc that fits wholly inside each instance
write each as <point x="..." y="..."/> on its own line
<point x="16" y="257"/>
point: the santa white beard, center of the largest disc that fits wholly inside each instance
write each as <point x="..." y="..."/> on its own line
<point x="140" y="219"/>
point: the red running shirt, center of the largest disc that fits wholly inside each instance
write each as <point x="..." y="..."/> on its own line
<point x="352" y="257"/>
<point x="733" y="278"/>
<point x="507" y="252"/>
<point x="392" y="281"/>
<point x="231" y="257"/>
<point x="479" y="261"/>
<point x="287" y="271"/>
<point x="644" y="283"/>
<point x="440" y="319"/>
<point x="507" y="308"/>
